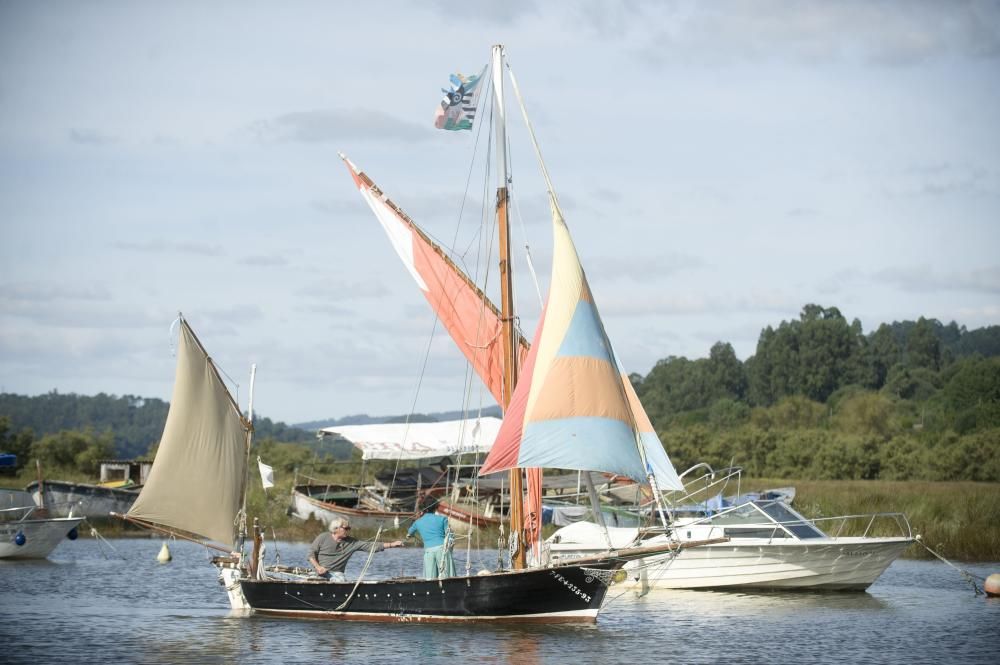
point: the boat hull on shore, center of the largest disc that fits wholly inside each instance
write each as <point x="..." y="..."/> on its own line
<point x="61" y="498"/>
<point x="307" y="502"/>
<point x="464" y="518"/>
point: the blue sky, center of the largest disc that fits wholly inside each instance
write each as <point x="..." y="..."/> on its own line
<point x="720" y="165"/>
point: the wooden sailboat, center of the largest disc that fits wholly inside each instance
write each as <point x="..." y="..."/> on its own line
<point x="600" y="429"/>
<point x="196" y="488"/>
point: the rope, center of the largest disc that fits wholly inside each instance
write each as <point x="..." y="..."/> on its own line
<point x="361" y="577"/>
<point x="446" y="552"/>
<point x="969" y="577"/>
<point x="101" y="539"/>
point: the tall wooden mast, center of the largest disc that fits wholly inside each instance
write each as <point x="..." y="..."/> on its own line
<point x="509" y="339"/>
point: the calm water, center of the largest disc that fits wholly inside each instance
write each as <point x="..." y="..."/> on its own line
<point x="90" y="604"/>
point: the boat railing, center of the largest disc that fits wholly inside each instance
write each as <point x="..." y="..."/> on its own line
<point x="711" y="481"/>
<point x="873" y="520"/>
<point x="17" y="513"/>
<point x="789" y="528"/>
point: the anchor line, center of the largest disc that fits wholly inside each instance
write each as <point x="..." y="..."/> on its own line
<point x="969" y="577"/>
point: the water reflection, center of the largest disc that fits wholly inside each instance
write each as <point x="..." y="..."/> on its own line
<point x="136" y="610"/>
<point x="742" y="603"/>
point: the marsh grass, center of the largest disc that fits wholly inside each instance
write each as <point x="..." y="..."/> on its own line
<point x="959" y="520"/>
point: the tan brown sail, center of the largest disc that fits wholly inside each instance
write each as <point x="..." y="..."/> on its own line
<point x="196" y="483"/>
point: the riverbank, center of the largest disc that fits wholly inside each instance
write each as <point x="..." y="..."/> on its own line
<point x="959" y="520"/>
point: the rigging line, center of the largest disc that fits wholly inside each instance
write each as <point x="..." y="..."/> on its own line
<point x="531" y="134"/>
<point x="487" y="100"/>
<point x="527" y="253"/>
<point x="413" y="405"/>
<point x="434" y="325"/>
<point x="472" y="165"/>
<point x="482" y="238"/>
<point x="361" y="577"/>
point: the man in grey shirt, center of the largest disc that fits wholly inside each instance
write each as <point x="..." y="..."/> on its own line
<point x="331" y="550"/>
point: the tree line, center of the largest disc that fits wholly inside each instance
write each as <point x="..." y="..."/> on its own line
<point x="819" y="399"/>
<point x="57" y="428"/>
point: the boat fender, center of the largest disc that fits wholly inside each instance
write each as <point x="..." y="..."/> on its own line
<point x="73" y="534"/>
<point x="20" y="539"/>
<point x="992" y="585"/>
<point x="483" y="572"/>
<point x="164" y="555"/>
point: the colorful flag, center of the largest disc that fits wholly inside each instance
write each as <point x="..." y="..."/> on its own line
<point x="458" y="108"/>
<point x="266" y="474"/>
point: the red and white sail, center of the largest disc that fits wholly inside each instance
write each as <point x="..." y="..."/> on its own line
<point x="464" y="310"/>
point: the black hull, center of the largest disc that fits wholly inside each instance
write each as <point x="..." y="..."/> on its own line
<point x="563" y="594"/>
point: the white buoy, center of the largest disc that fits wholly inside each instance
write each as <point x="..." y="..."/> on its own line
<point x="164" y="555"/>
<point x="992" y="586"/>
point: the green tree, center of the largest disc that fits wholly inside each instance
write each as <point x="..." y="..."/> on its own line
<point x="18" y="444"/>
<point x="73" y="450"/>
<point x="904" y="457"/>
<point x="794" y="412"/>
<point x="773" y="369"/>
<point x="972" y="394"/>
<point x="813" y="357"/>
<point x="867" y="414"/>
<point x="918" y="384"/>
<point x="923" y="348"/>
<point x="727" y="378"/>
<point x="727" y="413"/>
<point x="828" y="352"/>
<point x="884" y="353"/>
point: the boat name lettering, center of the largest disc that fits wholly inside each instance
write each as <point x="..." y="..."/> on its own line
<point x="572" y="587"/>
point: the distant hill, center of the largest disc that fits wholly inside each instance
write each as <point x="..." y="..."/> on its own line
<point x="135" y="422"/>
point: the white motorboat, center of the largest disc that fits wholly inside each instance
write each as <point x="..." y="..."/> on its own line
<point x="24" y="533"/>
<point x="770" y="546"/>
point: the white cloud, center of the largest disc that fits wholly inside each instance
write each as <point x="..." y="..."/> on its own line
<point x="926" y="278"/>
<point x="336" y="125"/>
<point x="169" y="246"/>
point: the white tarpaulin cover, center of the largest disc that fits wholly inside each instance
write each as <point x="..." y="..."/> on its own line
<point x="420" y="440"/>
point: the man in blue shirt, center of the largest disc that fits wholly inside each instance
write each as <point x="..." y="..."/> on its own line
<point x="433" y="530"/>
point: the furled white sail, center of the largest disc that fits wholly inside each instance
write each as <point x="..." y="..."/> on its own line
<point x="196" y="483"/>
